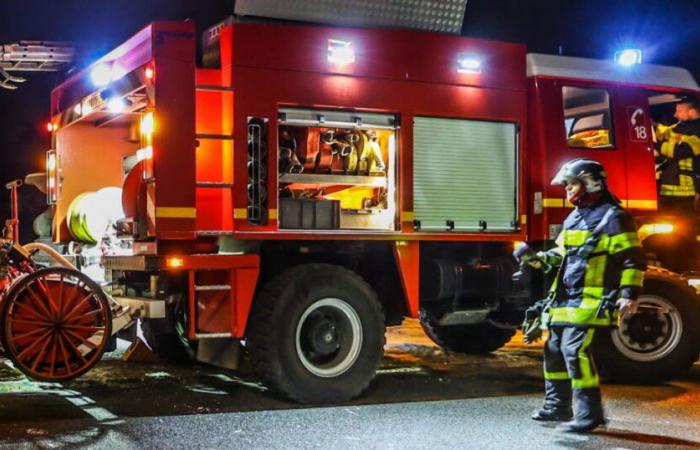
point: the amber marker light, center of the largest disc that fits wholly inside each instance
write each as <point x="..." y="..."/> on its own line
<point x="174" y="262"/>
<point x="147" y="124"/>
<point x="649" y="229"/>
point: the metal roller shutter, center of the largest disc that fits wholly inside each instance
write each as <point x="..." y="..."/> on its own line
<point x="465" y="175"/>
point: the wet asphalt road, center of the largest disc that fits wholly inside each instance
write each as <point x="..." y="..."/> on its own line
<point x="422" y="398"/>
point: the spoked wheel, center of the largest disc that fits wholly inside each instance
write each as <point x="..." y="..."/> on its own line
<point x="56" y="323"/>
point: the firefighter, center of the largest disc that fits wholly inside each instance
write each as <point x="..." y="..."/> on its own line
<point x="677" y="152"/>
<point x="601" y="268"/>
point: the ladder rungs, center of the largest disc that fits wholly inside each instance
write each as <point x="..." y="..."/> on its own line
<point x="213" y="287"/>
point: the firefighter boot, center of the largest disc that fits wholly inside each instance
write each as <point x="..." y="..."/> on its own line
<point x="589" y="412"/>
<point x="557" y="402"/>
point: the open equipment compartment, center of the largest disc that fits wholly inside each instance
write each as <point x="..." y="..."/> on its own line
<point x="336" y="170"/>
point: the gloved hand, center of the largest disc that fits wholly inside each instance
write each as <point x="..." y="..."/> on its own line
<point x="535" y="263"/>
<point x="532" y="331"/>
<point x="533" y="312"/>
<point x="626" y="306"/>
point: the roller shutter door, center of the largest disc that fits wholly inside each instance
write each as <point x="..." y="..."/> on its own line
<point x="465" y="175"/>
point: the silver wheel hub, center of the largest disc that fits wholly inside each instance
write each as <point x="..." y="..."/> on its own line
<point x="329" y="337"/>
<point x="652" y="333"/>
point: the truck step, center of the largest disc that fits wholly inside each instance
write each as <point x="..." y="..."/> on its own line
<point x="213" y="287"/>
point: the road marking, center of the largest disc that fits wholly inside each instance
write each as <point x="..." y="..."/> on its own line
<point x="394" y="370"/>
<point x="77" y="399"/>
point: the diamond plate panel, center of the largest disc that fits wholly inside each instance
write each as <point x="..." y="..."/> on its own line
<point x="432" y="15"/>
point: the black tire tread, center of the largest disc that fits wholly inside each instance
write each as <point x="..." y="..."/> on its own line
<point x="471" y="340"/>
<point x="262" y="337"/>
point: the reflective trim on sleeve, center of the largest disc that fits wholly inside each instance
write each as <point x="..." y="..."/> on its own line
<point x="574" y="315"/>
<point x="632" y="277"/>
<point x="623" y="241"/>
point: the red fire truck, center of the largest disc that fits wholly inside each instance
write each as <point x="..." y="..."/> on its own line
<point x="303" y="187"/>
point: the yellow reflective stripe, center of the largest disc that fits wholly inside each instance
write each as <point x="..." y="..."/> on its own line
<point x="576" y="238"/>
<point x="570" y="314"/>
<point x="556" y="375"/>
<point x="667" y="149"/>
<point x="636" y="204"/>
<point x="669" y="190"/>
<point x="642" y="204"/>
<point x="623" y="241"/>
<point x="595" y="272"/>
<point x="632" y="277"/>
<point x="166" y="212"/>
<point x="553" y="202"/>
<point x="686" y="164"/>
<point x="588" y="376"/>
<point x="407" y="216"/>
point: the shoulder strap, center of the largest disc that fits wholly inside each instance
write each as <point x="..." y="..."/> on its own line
<point x="585" y="250"/>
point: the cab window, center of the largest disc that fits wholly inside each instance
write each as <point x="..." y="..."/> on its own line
<point x="587" y="117"/>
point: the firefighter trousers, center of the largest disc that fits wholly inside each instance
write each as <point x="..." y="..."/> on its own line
<point x="570" y="373"/>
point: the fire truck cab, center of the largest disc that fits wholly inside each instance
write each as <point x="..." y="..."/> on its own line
<point x="303" y="187"/>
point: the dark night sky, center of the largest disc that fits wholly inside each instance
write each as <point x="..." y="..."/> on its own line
<point x="668" y="31"/>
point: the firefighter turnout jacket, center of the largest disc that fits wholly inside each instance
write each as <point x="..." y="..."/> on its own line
<point x="594" y="272"/>
<point x="678" y="152"/>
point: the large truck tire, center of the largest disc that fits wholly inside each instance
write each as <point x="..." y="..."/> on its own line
<point x="659" y="342"/>
<point x="167" y="338"/>
<point x="316" y="334"/>
<point x="477" y="339"/>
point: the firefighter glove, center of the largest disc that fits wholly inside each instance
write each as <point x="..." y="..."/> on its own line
<point x="532" y="331"/>
<point x="626" y="306"/>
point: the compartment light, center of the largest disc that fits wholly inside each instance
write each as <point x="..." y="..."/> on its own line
<point x="101" y="75"/>
<point x="628" y="57"/>
<point x="149" y="73"/>
<point x="340" y="53"/>
<point x="50" y="127"/>
<point x="468" y="64"/>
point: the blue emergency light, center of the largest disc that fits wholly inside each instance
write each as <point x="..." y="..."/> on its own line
<point x="628" y="57"/>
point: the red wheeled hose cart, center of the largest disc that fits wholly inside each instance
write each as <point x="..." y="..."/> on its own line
<point x="55" y="322"/>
